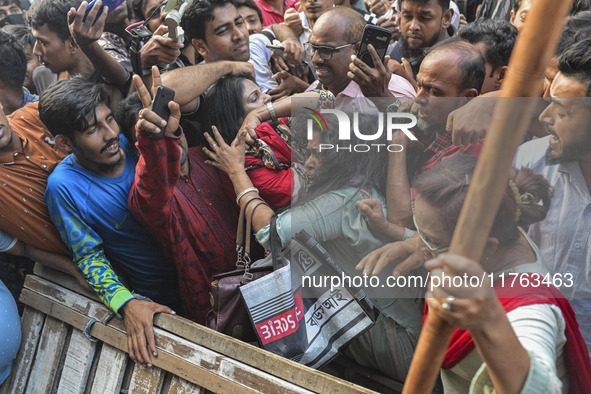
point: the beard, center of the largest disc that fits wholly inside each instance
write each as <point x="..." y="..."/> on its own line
<point x="570" y="152"/>
<point x="412" y="53"/>
<point x="112" y="167"/>
<point x="574" y="152"/>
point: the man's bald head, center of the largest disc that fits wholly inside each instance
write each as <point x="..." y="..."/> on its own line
<point x="470" y="62"/>
<point x="346" y="18"/>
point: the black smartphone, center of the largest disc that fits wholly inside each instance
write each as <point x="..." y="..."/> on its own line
<point x="163" y="96"/>
<point x="278" y="49"/>
<point x="379" y="38"/>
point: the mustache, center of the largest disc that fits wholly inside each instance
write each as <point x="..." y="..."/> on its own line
<point x="549" y="129"/>
<point x="240" y="43"/>
<point x="104" y="148"/>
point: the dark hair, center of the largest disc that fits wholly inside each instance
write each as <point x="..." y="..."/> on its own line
<point x="22" y="34"/>
<point x="137" y="8"/>
<point x="250" y="4"/>
<point x="126" y="115"/>
<point x="66" y="105"/>
<point x="444" y="187"/>
<point x="196" y="16"/>
<point x="576" y="28"/>
<point x="578" y="6"/>
<point x="13" y="61"/>
<point x="6" y="3"/>
<point x="52" y="13"/>
<point x="575" y="62"/>
<point x="471" y="64"/>
<point x="498" y="37"/>
<point x="343" y="168"/>
<point x="443" y="3"/>
<point x="224" y="107"/>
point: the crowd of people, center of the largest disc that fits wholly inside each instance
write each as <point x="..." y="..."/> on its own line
<point x="91" y="185"/>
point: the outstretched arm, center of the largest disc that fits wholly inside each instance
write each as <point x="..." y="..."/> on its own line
<point x="86" y="34"/>
<point x="88" y="253"/>
<point x="191" y="82"/>
<point x="159" y="167"/>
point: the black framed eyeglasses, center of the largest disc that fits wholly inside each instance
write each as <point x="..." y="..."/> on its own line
<point x="323" y="51"/>
<point x="434" y="251"/>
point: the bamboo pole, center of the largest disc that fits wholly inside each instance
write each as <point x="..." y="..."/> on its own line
<point x="533" y="50"/>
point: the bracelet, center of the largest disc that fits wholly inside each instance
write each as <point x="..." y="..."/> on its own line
<point x="272" y="112"/>
<point x="245" y="191"/>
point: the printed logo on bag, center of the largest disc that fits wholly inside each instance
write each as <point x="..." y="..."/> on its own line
<point x="304" y="260"/>
<point x="279" y="325"/>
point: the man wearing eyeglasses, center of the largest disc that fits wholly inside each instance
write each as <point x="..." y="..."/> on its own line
<point x="333" y="43"/>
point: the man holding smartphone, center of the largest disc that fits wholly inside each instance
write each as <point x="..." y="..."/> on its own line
<point x="333" y="45"/>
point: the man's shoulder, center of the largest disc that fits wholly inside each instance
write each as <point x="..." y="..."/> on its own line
<point x="67" y="174"/>
<point x="25" y="122"/>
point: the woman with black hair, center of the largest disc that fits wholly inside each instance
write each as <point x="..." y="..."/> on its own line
<point x="269" y="161"/>
<point x="328" y="212"/>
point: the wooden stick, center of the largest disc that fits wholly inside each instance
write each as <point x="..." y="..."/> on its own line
<point x="533" y="50"/>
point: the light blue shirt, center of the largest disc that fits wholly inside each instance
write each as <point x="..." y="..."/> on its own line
<point x="10" y="323"/>
<point x="564" y="237"/>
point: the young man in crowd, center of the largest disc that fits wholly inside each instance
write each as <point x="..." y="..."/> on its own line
<point x="27" y="157"/>
<point x="58" y="49"/>
<point x="218" y="32"/>
<point x="13" y="68"/>
<point x="564" y="159"/>
<point x="495" y="40"/>
<point x="87" y="201"/>
<point x="11" y="13"/>
<point x="251" y="14"/>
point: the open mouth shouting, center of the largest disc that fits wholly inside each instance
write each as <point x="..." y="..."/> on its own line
<point x="112" y="147"/>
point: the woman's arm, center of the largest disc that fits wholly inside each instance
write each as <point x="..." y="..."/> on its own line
<point x="478" y="309"/>
<point x="540" y="329"/>
<point x="283" y="108"/>
<point x="230" y="159"/>
<point x="398" y="185"/>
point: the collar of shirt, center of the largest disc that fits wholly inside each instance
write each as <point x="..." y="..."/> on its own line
<point x="572" y="170"/>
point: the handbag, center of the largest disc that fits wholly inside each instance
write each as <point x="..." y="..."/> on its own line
<point x="228" y="313"/>
<point x="306" y="324"/>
